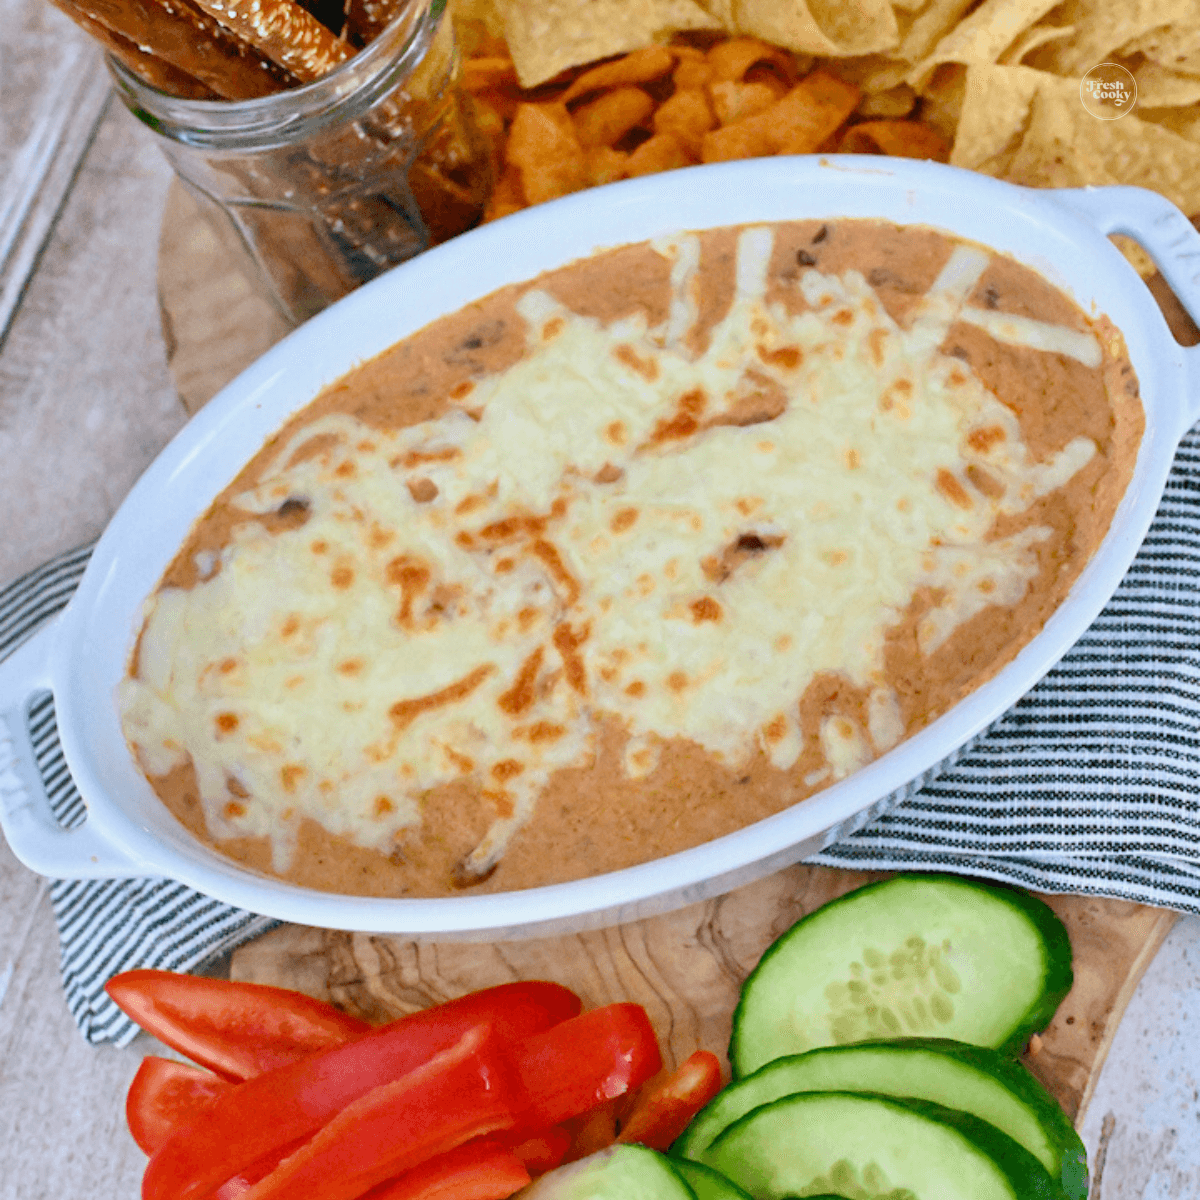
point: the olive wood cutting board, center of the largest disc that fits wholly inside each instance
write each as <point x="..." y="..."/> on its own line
<point x="686" y="968"/>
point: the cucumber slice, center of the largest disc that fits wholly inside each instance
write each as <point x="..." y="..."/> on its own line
<point x="874" y="1148"/>
<point x="977" y="1080"/>
<point x="707" y="1183"/>
<point x="922" y="955"/>
<point x="615" y="1173"/>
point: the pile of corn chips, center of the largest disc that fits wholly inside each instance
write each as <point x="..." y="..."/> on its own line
<point x="574" y="93"/>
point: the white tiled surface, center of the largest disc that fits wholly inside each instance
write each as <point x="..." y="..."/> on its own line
<point x="85" y="402"/>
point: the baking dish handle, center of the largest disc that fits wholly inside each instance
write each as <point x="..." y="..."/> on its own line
<point x="29" y="825"/>
<point x="1167" y="236"/>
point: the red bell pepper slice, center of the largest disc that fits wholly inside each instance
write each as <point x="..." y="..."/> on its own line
<point x="480" y="1170"/>
<point x="666" y="1107"/>
<point x="582" y="1063"/>
<point x="237" y="1030"/>
<point x="544" y="1151"/>
<point x="166" y="1096"/>
<point x="296" y="1100"/>
<point x="464" y="1092"/>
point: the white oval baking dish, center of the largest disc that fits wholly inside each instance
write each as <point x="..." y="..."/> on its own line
<point x="82" y="654"/>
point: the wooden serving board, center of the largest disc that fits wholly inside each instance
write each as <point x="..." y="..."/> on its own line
<point x="686" y="968"/>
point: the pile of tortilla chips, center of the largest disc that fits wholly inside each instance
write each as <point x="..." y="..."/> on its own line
<point x="574" y="93"/>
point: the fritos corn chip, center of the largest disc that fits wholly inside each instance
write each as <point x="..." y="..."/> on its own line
<point x="639" y="66"/>
<point x="607" y="119"/>
<point x="543" y="147"/>
<point x="905" y="139"/>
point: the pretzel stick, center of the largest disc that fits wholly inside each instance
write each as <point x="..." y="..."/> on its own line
<point x="188" y="39"/>
<point x="284" y="33"/>
<point x="366" y="19"/>
<point x="149" y="68"/>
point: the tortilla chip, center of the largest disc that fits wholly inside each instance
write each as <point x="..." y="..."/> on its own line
<point x="607" y="119"/>
<point x="547" y="37"/>
<point x="1183" y="121"/>
<point x="1159" y="88"/>
<point x="482" y="12"/>
<point x="830" y="27"/>
<point x="545" y="151"/>
<point x="984" y="35"/>
<point x="996" y="108"/>
<point x="1033" y="39"/>
<point x="1137" y="258"/>
<point x="1102" y="27"/>
<point x="640" y="66"/>
<point x="942" y="104"/>
<point x="479" y="74"/>
<point x="935" y="21"/>
<point x="663" y="152"/>
<point x="902" y="139"/>
<point x="1175" y="47"/>
<point x="688" y="116"/>
<point x="1065" y="146"/>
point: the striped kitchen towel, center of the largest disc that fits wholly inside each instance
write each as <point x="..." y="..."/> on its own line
<point x="1091" y="783"/>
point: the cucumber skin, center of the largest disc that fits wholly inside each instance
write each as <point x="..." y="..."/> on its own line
<point x="565" y="1181"/>
<point x="1027" y="1177"/>
<point x="1060" y="1132"/>
<point x="1057" y="974"/>
<point x="707" y="1182"/>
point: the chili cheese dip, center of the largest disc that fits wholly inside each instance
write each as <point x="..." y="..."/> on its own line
<point x="620" y="560"/>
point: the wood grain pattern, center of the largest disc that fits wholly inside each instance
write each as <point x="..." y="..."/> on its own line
<point x="686" y="968"/>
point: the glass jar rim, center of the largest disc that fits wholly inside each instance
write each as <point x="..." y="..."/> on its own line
<point x="344" y="94"/>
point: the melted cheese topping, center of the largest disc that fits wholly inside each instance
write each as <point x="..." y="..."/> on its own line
<point x="617" y="527"/>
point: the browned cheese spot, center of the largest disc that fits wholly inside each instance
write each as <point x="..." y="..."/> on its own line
<point x="548" y="553"/>
<point x="506" y="769"/>
<point x="705" y="609"/>
<point x="746" y="546"/>
<point x="553" y="328"/>
<point x="948" y="485"/>
<point x="567" y="643"/>
<point x="405" y="712"/>
<point x="350" y="666"/>
<point x="423" y="491"/>
<point x="843" y="316"/>
<point x="982" y="440"/>
<point x="635" y="689"/>
<point x="686" y="420"/>
<point x="776" y="729"/>
<point x="291" y="625"/>
<point x="523" y="691"/>
<point x="876" y="340"/>
<point x="647" y="368"/>
<point x="853" y="459"/>
<point x="320" y="546"/>
<point x="346" y="469"/>
<point x="417" y="458"/>
<point x="608" y="474"/>
<point x="383" y="806"/>
<point x="379" y="537"/>
<point x="623" y="519"/>
<point x="290" y="774"/>
<point x="616" y="433"/>
<point x="235" y="809"/>
<point x="470" y="503"/>
<point x="504" y="565"/>
<point x="541" y="731"/>
<point x="234" y="786"/>
<point x="460" y="391"/>
<point x="787" y="357"/>
<point x="341" y="577"/>
<point x="412" y="577"/>
<point x="677" y="681"/>
<point x="226" y="723"/>
<point x="462" y="762"/>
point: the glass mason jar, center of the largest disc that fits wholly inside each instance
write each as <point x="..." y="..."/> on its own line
<point x="327" y="185"/>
